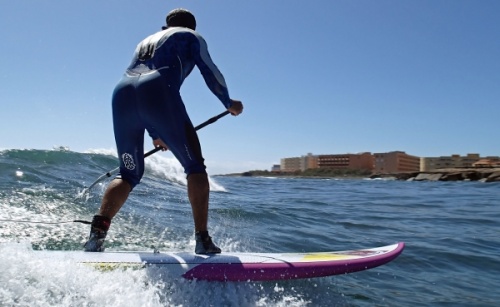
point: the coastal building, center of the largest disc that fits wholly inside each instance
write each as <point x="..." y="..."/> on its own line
<point x="396" y="162"/>
<point x="453" y="161"/>
<point x="299" y="163"/>
<point x="362" y="161"/>
<point x="309" y="161"/>
<point x="290" y="164"/>
<point x="487" y="162"/>
<point x="387" y="162"/>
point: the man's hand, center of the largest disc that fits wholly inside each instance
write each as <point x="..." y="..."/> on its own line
<point x="236" y="107"/>
<point x="159" y="143"/>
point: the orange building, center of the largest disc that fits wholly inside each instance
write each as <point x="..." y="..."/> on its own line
<point x="363" y="161"/>
<point x="310" y="161"/>
<point x="395" y="162"/>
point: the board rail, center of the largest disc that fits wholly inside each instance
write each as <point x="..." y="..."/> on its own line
<point x="239" y="266"/>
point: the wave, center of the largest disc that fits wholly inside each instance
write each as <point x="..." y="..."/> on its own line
<point x="82" y="169"/>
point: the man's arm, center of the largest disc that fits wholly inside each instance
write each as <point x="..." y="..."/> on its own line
<point x="213" y="77"/>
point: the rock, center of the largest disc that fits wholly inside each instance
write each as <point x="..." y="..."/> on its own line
<point x="472" y="176"/>
<point x="456" y="176"/>
<point x="429" y="177"/>
<point x="406" y="176"/>
<point x="493" y="177"/>
<point x="448" y="174"/>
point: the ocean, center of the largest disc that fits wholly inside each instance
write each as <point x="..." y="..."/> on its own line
<point x="451" y="231"/>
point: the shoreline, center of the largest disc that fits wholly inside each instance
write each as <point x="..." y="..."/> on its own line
<point x="447" y="174"/>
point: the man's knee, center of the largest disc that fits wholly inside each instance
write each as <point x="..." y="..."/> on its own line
<point x="199" y="168"/>
<point x="131" y="180"/>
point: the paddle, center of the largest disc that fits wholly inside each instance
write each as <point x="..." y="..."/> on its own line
<point x="149" y="153"/>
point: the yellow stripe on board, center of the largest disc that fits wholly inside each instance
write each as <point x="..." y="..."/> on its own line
<point x="327" y="257"/>
<point x="110" y="266"/>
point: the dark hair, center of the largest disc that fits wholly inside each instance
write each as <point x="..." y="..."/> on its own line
<point x="181" y="18"/>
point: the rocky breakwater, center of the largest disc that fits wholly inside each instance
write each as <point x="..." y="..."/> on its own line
<point x="447" y="174"/>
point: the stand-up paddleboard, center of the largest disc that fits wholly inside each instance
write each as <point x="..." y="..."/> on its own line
<point x="239" y="266"/>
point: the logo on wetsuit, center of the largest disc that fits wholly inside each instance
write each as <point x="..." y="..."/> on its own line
<point x="146" y="49"/>
<point x="128" y="161"/>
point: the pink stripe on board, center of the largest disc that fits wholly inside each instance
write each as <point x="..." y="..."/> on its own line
<point x="279" y="271"/>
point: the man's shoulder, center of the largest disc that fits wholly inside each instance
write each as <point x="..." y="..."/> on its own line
<point x="181" y="31"/>
<point x="186" y="37"/>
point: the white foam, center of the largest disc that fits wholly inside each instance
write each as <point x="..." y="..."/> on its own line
<point x="102" y="151"/>
<point x="26" y="280"/>
<point x="30" y="281"/>
<point x="169" y="168"/>
<point x="163" y="167"/>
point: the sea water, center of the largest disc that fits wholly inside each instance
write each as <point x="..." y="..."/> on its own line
<point x="451" y="231"/>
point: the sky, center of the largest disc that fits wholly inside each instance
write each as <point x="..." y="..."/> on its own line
<point x="320" y="77"/>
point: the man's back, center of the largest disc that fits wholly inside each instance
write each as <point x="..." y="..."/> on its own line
<point x="173" y="53"/>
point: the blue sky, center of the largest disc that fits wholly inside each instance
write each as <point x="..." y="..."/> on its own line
<point x="321" y="77"/>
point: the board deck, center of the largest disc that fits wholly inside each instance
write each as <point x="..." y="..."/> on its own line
<point x="239" y="266"/>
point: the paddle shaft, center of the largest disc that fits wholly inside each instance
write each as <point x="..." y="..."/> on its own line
<point x="206" y="123"/>
<point x="149" y="153"/>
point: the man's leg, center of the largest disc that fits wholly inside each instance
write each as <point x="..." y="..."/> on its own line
<point x="164" y="112"/>
<point x="115" y="196"/>
<point x="198" y="193"/>
<point x="129" y="137"/>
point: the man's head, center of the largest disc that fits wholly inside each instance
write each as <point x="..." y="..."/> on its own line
<point x="180" y="18"/>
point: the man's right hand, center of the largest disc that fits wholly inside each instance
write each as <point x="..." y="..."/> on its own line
<point x="159" y="143"/>
<point x="236" y="107"/>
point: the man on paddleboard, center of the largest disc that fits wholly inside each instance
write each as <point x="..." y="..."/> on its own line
<point x="148" y="98"/>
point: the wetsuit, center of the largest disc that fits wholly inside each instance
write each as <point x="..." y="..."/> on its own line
<point x="148" y="98"/>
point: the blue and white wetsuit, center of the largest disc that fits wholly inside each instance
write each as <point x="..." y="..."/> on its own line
<point x="148" y="98"/>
